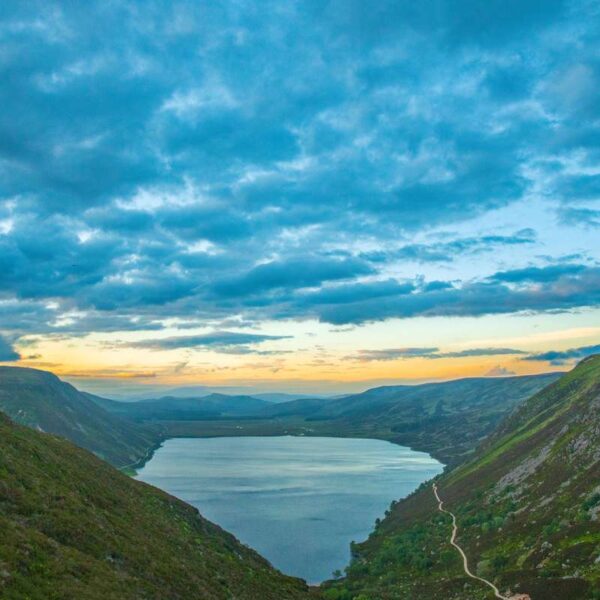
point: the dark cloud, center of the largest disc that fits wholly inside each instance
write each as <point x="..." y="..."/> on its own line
<point x="276" y="161"/>
<point x="449" y="251"/>
<point x="537" y="293"/>
<point x="462" y="22"/>
<point x="141" y="289"/>
<point x="433" y="286"/>
<point x="7" y="352"/>
<point x="580" y="217"/>
<point x="395" y="353"/>
<point x="294" y="273"/>
<point x="561" y="357"/>
<point x="538" y="274"/>
<point x="481" y="352"/>
<point x="432" y="353"/>
<point x="218" y="340"/>
<point x="580" y="187"/>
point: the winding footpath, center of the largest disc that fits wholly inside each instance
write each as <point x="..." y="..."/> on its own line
<point x="441" y="508"/>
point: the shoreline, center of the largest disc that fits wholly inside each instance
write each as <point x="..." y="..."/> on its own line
<point x="314" y="585"/>
<point x="138" y="464"/>
<point x="310" y="433"/>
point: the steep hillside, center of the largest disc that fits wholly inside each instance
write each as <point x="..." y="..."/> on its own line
<point x="41" y="400"/>
<point x="170" y="408"/>
<point x="527" y="509"/>
<point x="74" y="528"/>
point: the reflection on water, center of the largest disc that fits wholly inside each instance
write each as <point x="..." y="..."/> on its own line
<point x="299" y="501"/>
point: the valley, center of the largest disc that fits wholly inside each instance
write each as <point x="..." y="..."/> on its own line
<point x="300" y="300"/>
<point x="446" y="420"/>
<point x="524" y="497"/>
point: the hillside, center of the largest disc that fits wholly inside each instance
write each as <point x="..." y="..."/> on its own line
<point x="171" y="408"/>
<point x="447" y="420"/>
<point x="527" y="508"/>
<point x="75" y="528"/>
<point x="42" y="401"/>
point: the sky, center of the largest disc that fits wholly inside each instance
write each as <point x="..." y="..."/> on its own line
<point x="316" y="195"/>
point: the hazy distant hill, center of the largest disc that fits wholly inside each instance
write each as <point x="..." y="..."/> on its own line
<point x="73" y="527"/>
<point x="280" y="397"/>
<point x="148" y="392"/>
<point x="527" y="507"/>
<point x="41" y="400"/>
<point x="171" y="408"/>
<point x="199" y="391"/>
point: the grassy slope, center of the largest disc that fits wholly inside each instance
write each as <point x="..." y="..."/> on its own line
<point x="40" y="400"/>
<point x="448" y="419"/>
<point x="73" y="527"/>
<point x="527" y="508"/>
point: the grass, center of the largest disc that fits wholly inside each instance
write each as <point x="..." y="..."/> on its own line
<point x="73" y="527"/>
<point x="40" y="400"/>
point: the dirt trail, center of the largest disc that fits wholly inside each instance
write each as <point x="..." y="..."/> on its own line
<point x="464" y="556"/>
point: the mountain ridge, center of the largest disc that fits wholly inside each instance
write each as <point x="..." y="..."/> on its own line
<point x="39" y="399"/>
<point x="446" y="419"/>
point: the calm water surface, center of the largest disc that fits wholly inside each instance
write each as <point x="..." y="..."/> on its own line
<point x="299" y="501"/>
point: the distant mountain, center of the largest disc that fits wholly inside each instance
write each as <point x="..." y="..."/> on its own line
<point x="42" y="401"/>
<point x="201" y="391"/>
<point x="278" y="398"/>
<point x="128" y="392"/>
<point x="527" y="509"/>
<point x="171" y="408"/>
<point x="446" y="419"/>
<point x="74" y="527"/>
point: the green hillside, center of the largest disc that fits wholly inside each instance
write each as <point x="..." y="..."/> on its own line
<point x="42" y="401"/>
<point x="75" y="528"/>
<point x="447" y="420"/>
<point x="527" y="507"/>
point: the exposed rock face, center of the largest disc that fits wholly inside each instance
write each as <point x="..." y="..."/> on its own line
<point x="524" y="469"/>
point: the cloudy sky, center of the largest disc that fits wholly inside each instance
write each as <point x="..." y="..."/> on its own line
<point x="301" y="195"/>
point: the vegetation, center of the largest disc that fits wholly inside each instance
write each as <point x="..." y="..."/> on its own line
<point x="73" y="527"/>
<point x="527" y="499"/>
<point x="447" y="420"/>
<point x="42" y="401"/>
<point x="528" y="508"/>
<point x="187" y="409"/>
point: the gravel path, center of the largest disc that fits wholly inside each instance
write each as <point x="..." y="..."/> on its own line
<point x="461" y="551"/>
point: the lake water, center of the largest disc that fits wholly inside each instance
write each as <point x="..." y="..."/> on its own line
<point x="299" y="501"/>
